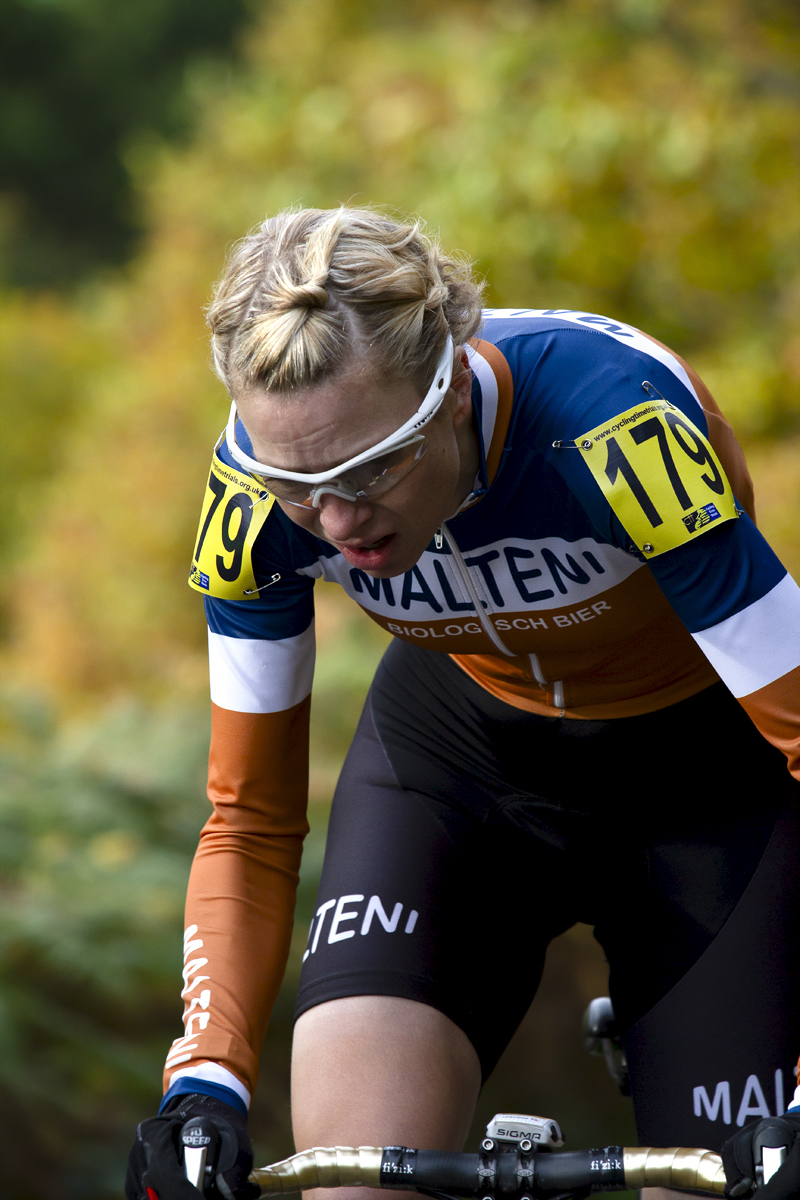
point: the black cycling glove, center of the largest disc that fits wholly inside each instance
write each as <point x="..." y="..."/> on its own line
<point x="739" y="1157"/>
<point x="155" y="1167"/>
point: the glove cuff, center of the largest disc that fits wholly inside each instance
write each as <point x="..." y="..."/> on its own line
<point x="200" y="1087"/>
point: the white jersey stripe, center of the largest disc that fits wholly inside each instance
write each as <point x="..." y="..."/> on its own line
<point x="759" y="644"/>
<point x="618" y="330"/>
<point x="488" y="383"/>
<point x="254" y="676"/>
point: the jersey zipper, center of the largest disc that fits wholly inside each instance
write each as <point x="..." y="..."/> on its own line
<point x="463" y="572"/>
<point x="539" y="676"/>
<point x="538" y="673"/>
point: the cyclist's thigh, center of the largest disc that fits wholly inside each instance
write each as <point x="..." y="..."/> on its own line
<point x="719" y="1048"/>
<point x="704" y="967"/>
<point x="428" y="896"/>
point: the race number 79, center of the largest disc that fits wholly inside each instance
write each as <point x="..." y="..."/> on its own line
<point x="234" y="510"/>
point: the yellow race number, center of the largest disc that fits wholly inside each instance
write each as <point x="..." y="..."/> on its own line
<point x="234" y="510"/>
<point x="659" y="474"/>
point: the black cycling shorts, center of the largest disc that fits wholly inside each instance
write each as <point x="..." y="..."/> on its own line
<point x="465" y="834"/>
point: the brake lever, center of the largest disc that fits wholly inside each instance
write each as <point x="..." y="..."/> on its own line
<point x="201" y="1143"/>
<point x="772" y="1141"/>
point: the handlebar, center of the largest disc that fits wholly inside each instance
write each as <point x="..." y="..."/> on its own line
<point x="519" y="1159"/>
<point x="610" y="1168"/>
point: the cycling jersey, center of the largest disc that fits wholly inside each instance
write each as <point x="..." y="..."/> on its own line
<point x="601" y="568"/>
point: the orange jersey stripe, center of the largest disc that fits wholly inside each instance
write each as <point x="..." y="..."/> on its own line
<point x="773" y="709"/>
<point x="505" y="401"/>
<point x="610" y="657"/>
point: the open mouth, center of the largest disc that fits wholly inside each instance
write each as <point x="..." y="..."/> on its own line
<point x="369" y="555"/>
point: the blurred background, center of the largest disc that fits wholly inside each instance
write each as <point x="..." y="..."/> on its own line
<point x="638" y="158"/>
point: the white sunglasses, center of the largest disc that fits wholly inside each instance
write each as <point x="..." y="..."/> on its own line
<point x="370" y="473"/>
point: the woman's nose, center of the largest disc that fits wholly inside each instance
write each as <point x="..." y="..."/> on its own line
<point x="342" y="519"/>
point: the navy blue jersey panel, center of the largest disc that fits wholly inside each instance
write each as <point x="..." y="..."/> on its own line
<point x="575" y="380"/>
<point x="511" y="505"/>
<point x="286" y="613"/>
<point x="283" y="546"/>
<point x="724" y="571"/>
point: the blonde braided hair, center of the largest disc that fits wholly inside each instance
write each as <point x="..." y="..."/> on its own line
<point x="312" y="289"/>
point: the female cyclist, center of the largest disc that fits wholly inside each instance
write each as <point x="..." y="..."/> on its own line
<point x="584" y="715"/>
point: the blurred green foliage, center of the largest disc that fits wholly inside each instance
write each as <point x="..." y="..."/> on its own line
<point x="82" y="81"/>
<point x="97" y="823"/>
<point x="634" y="157"/>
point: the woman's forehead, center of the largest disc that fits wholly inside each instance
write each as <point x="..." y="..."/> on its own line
<point x="316" y="428"/>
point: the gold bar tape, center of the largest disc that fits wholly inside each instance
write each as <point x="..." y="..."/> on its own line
<point x="345" y="1166"/>
<point x="337" y="1166"/>
<point x="675" y="1167"/>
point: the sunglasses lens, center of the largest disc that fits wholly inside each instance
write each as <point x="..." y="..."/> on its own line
<point x="291" y="490"/>
<point x="375" y="477"/>
<point x="371" y="478"/>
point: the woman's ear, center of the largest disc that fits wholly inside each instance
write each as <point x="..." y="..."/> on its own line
<point x="462" y="387"/>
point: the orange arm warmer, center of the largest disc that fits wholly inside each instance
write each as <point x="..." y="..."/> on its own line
<point x="240" y="902"/>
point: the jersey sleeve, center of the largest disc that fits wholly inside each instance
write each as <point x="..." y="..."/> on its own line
<point x="743" y="610"/>
<point x="241" y="894"/>
<point x="724" y="582"/>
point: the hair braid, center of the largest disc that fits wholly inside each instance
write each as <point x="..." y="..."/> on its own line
<point x="313" y="288"/>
